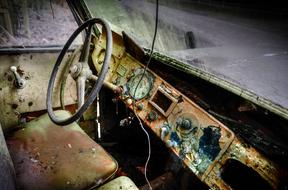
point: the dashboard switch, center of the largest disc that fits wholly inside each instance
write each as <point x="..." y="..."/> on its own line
<point x="18" y="82"/>
<point x="152" y="115"/>
<point x="140" y="107"/>
<point x="164" y="132"/>
<point x="185" y="124"/>
<point x="171" y="143"/>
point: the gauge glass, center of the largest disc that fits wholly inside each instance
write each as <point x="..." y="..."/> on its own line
<point x="143" y="88"/>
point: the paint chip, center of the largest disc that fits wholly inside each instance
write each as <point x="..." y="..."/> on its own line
<point x="34" y="160"/>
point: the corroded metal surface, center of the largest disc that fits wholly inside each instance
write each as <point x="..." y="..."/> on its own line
<point x="47" y="156"/>
<point x="196" y="153"/>
<point x="193" y="148"/>
<point x="35" y="69"/>
<point x="250" y="157"/>
<point x="99" y="52"/>
<point x="201" y="141"/>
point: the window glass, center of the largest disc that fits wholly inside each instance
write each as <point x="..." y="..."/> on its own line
<point x="241" y="41"/>
<point x="35" y="22"/>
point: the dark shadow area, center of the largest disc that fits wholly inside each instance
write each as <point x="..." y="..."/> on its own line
<point x="127" y="143"/>
<point x="239" y="177"/>
<point x="130" y="149"/>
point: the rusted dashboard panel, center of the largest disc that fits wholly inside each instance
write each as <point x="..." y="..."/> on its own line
<point x="203" y="143"/>
<point x="196" y="137"/>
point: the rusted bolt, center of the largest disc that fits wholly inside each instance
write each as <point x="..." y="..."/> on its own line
<point x="10" y="78"/>
<point x="14" y="106"/>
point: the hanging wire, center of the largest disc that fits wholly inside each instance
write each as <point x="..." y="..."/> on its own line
<point x="145" y="68"/>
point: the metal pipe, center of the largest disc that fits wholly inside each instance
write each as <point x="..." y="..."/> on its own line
<point x="109" y="85"/>
<point x="80" y="91"/>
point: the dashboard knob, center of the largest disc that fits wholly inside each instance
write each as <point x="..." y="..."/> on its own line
<point x="164" y="132"/>
<point x="140" y="107"/>
<point x="18" y="82"/>
<point x="186" y="124"/>
<point x="129" y="101"/>
<point x="152" y="115"/>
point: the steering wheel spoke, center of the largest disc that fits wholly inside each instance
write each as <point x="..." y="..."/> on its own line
<point x="84" y="74"/>
<point x="80" y="91"/>
<point x="86" y="46"/>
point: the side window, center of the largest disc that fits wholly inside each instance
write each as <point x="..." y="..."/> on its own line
<point x="35" y="22"/>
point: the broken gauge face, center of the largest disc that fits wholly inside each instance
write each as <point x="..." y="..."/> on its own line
<point x="139" y="90"/>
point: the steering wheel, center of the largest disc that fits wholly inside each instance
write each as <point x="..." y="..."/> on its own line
<point x="81" y="71"/>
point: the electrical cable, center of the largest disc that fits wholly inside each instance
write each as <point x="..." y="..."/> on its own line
<point x="145" y="68"/>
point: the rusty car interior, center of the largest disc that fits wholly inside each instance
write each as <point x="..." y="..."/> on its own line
<point x="102" y="112"/>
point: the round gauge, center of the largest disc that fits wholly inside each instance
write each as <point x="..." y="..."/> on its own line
<point x="187" y="126"/>
<point x="143" y="87"/>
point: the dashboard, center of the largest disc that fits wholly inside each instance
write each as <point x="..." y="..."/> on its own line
<point x="190" y="132"/>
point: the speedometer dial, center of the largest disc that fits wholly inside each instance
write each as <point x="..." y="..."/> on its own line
<point x="139" y="90"/>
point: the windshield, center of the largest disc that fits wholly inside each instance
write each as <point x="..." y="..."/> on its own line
<point x="35" y="23"/>
<point x="244" y="42"/>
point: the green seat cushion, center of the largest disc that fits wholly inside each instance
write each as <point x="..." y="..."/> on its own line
<point x="47" y="156"/>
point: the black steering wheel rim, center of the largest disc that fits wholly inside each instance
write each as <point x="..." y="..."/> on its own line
<point x="98" y="84"/>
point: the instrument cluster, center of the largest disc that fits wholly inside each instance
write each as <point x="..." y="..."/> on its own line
<point x="190" y="132"/>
